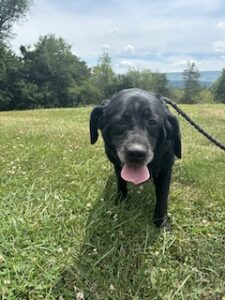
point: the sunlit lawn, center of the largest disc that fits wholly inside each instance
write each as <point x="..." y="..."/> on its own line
<point x="61" y="234"/>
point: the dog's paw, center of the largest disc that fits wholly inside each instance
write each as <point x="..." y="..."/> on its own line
<point x="163" y="223"/>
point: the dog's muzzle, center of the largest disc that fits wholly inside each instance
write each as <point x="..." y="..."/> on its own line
<point x="135" y="154"/>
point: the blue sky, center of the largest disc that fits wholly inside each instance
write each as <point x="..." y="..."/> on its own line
<point x="158" y="35"/>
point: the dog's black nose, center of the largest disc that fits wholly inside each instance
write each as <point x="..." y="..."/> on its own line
<point x="135" y="153"/>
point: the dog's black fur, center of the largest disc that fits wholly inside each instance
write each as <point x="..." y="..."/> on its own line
<point x="138" y="129"/>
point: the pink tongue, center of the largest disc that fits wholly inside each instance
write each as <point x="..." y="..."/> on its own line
<point x="135" y="174"/>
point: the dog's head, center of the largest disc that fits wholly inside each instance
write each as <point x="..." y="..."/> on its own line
<point x="135" y="126"/>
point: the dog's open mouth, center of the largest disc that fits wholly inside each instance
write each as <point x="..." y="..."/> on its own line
<point x="135" y="173"/>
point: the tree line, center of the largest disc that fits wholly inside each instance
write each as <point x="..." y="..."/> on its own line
<point x="49" y="74"/>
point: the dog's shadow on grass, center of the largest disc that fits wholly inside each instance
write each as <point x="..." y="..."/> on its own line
<point x="116" y="242"/>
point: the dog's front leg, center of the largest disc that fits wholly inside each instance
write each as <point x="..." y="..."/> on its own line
<point x="162" y="185"/>
<point x="121" y="185"/>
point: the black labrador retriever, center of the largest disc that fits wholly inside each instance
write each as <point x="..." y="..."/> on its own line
<point x="141" y="139"/>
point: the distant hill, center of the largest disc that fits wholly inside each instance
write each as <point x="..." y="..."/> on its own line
<point x="206" y="79"/>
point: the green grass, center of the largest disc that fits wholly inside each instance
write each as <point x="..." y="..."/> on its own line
<point x="61" y="234"/>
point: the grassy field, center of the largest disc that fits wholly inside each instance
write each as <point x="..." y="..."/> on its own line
<point x="61" y="237"/>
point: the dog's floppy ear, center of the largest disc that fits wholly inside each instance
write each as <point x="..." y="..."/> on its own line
<point x="95" y="123"/>
<point x="173" y="132"/>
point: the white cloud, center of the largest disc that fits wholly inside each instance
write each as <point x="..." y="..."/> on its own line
<point x="219" y="46"/>
<point x="211" y="64"/>
<point x="165" y="33"/>
<point x="114" y="31"/>
<point x="126" y="64"/>
<point x="183" y="63"/>
<point x="105" y="47"/>
<point x="220" y="25"/>
<point x="129" y="49"/>
<point x="202" y="5"/>
<point x="170" y="64"/>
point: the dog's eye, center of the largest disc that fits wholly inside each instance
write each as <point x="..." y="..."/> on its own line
<point x="147" y="112"/>
<point x="152" y="122"/>
<point x="121" y="124"/>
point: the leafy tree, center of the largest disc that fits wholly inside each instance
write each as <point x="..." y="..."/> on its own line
<point x="10" y="75"/>
<point x="54" y="69"/>
<point x="85" y="94"/>
<point x="206" y="96"/>
<point x="134" y="78"/>
<point x="147" y="80"/>
<point x="218" y="88"/>
<point x="103" y="76"/>
<point x="10" y="12"/>
<point x="156" y="82"/>
<point x="177" y="94"/>
<point x="192" y="86"/>
<point x="122" y="81"/>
